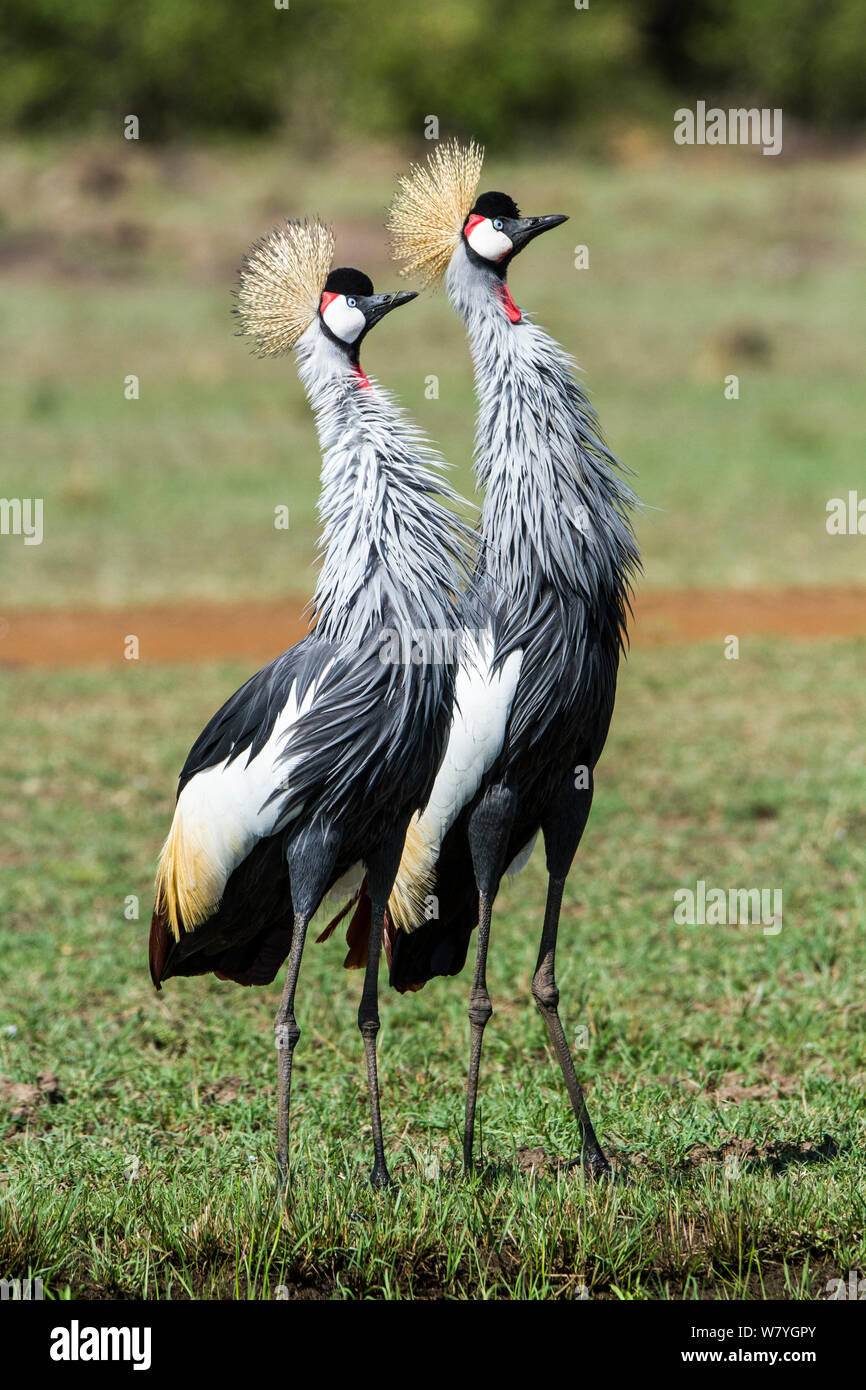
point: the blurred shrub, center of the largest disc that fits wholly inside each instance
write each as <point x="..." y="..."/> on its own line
<point x="180" y="67"/>
<point x="807" y="58"/>
<point x="497" y="68"/>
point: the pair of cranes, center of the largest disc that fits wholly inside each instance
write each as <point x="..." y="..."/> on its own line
<point x="336" y="771"/>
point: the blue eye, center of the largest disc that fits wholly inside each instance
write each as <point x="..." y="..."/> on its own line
<point x="497" y="223"/>
<point x="351" y="303"/>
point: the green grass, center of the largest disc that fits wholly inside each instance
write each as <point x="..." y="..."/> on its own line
<point x="148" y="1170"/>
<point x="699" y="267"/>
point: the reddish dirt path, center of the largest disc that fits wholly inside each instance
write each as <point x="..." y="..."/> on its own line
<point x="258" y="631"/>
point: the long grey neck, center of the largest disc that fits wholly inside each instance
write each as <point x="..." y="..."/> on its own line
<point x="555" y="509"/>
<point x="393" y="555"/>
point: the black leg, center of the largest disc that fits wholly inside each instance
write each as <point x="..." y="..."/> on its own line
<point x="310" y="857"/>
<point x="381" y="871"/>
<point x="368" y="1022"/>
<point x="480" y="1010"/>
<point x="546" y="995"/>
<point x="286" y="1033"/>
<point x="563" y="827"/>
<point x="489" y="831"/>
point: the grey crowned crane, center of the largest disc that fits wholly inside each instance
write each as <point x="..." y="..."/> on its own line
<point x="535" y="692"/>
<point x="309" y="774"/>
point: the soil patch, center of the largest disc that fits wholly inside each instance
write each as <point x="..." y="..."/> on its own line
<point x="257" y="632"/>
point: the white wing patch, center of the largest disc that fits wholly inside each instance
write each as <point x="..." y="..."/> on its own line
<point x="220" y="815"/>
<point x="482" y="704"/>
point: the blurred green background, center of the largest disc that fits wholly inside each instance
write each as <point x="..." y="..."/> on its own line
<point x="501" y="69"/>
<point x="117" y="257"/>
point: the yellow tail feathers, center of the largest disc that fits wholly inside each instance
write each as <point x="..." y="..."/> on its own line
<point x="407" y="905"/>
<point x="188" y="889"/>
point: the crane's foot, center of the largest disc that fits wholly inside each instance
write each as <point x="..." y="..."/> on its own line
<point x="381" y="1178"/>
<point x="594" y="1164"/>
<point x="281" y="1190"/>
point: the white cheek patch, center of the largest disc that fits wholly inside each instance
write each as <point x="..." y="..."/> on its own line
<point x="487" y="242"/>
<point x="345" y="323"/>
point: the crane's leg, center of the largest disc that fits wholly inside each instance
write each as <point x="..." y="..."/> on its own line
<point x="480" y="1011"/>
<point x="489" y="831"/>
<point x="381" y="870"/>
<point x="368" y="1022"/>
<point x="562" y="830"/>
<point x="310" y="857"/>
<point x="286" y="1034"/>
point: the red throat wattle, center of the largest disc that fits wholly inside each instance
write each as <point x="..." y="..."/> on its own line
<point x="511" y="310"/>
<point x="362" y="378"/>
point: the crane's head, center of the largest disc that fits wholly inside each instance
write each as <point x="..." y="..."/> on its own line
<point x="287" y="285"/>
<point x="494" y="232"/>
<point x="348" y="308"/>
<point x="441" y="228"/>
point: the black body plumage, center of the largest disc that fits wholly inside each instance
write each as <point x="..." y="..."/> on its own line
<point x="557" y="556"/>
<point x="374" y="728"/>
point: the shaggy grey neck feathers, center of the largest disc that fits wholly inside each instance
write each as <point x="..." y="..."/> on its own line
<point x="394" y="557"/>
<point x="555" y="507"/>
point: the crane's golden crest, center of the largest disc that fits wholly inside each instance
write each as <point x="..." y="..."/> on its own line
<point x="431" y="204"/>
<point x="281" y="282"/>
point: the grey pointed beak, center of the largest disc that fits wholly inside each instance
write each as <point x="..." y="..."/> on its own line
<point x="523" y="230"/>
<point x="375" y="306"/>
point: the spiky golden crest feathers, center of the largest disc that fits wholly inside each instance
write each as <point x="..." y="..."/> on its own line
<point x="281" y="282"/>
<point x="430" y="206"/>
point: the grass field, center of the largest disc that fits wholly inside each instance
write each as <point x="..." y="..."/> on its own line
<point x="725" y="1065"/>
